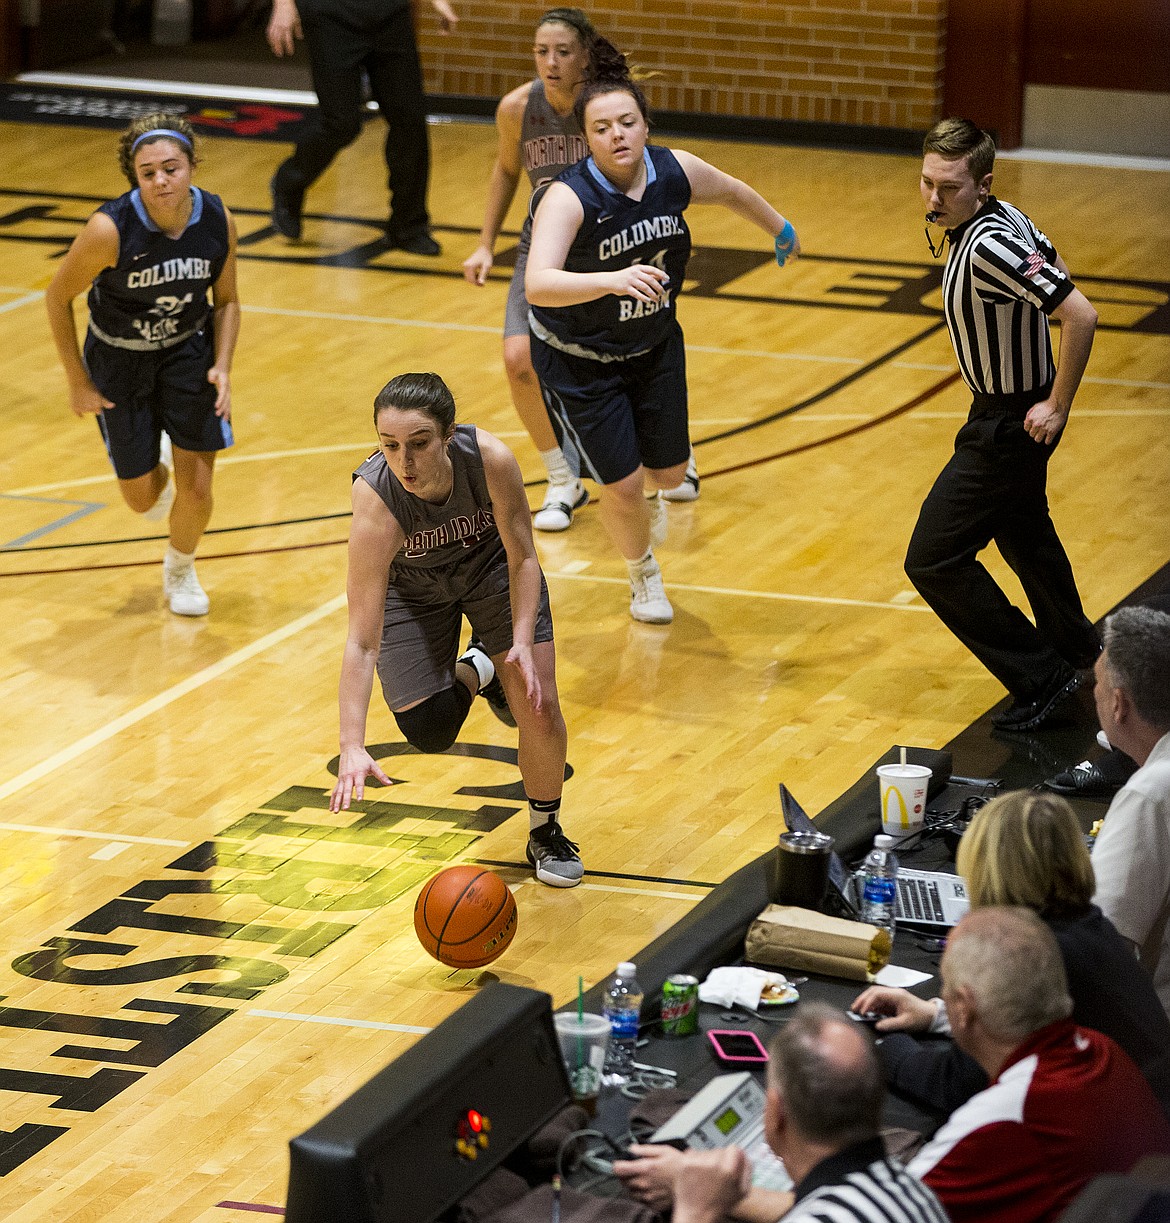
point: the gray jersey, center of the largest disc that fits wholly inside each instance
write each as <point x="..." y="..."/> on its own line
<point x="452" y="564"/>
<point x="549" y="143"/>
<point x="462" y="529"/>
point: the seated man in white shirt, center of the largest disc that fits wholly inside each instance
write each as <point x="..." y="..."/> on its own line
<point x="1131" y="858"/>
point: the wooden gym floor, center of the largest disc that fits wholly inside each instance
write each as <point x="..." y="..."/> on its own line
<point x="199" y="960"/>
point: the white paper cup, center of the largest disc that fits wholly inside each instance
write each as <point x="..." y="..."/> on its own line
<point x="903" y="797"/>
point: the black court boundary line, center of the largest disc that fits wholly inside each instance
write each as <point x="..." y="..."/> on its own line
<point x="352" y="259"/>
<point x="808" y="402"/>
<point x="527" y="866"/>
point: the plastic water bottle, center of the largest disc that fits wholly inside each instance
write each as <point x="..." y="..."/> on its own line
<point x="879" y="873"/>
<point x="622" y="1006"/>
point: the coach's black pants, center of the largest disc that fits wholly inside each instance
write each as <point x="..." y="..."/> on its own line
<point x="993" y="488"/>
<point x="342" y="40"/>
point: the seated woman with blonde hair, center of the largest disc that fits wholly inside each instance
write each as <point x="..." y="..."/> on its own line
<point x="1026" y="848"/>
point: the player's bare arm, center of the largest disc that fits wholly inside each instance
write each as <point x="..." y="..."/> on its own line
<point x="502" y="183"/>
<point x="514" y="522"/>
<point x="374" y="540"/>
<point x="226" y="307"/>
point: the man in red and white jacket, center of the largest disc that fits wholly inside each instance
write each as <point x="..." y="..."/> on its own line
<point x="1065" y="1103"/>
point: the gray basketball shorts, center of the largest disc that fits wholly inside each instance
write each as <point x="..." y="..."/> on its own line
<point x="516" y="311"/>
<point x="424" y="614"/>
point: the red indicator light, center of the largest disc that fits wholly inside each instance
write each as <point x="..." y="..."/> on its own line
<point x="475" y="1121"/>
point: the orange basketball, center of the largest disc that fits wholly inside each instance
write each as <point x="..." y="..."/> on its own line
<point x="465" y="916"/>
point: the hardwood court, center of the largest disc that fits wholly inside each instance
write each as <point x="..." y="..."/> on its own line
<point x="198" y="959"/>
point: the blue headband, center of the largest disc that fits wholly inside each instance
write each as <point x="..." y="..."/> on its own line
<point x="155" y="132"/>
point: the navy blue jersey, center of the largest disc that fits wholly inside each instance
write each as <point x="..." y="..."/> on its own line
<point x="617" y="232"/>
<point x="156" y="295"/>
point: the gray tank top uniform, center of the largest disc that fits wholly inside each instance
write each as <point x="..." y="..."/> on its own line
<point x="451" y="564"/>
<point x="549" y="144"/>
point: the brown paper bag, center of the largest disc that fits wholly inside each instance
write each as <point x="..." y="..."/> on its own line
<point x="787" y="937"/>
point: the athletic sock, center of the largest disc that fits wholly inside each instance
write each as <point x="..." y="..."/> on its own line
<point x="177" y="561"/>
<point x="556" y="466"/>
<point x="481" y="664"/>
<point x="639" y="567"/>
<point x="541" y="811"/>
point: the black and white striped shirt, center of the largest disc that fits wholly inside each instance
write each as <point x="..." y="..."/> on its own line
<point x="999" y="286"/>
<point x="861" y="1185"/>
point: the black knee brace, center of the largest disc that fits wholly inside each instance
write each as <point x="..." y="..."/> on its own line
<point x="432" y="725"/>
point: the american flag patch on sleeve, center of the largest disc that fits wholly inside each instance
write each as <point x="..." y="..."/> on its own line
<point x="1033" y="264"/>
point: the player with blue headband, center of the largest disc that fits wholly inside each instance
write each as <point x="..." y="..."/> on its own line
<point x="159" y="264"/>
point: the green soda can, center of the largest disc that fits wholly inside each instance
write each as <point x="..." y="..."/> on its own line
<point x="680" y="1005"/>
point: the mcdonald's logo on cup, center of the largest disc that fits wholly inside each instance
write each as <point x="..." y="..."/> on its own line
<point x="903" y="797"/>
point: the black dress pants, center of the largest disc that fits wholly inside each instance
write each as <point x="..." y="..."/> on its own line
<point x="993" y="489"/>
<point x="342" y="39"/>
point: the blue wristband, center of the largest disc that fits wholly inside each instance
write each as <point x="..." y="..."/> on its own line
<point x="785" y="243"/>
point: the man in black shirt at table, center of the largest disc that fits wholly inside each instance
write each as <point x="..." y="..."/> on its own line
<point x="1003" y="281"/>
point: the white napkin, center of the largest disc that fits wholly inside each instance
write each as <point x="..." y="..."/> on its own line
<point x="731" y="984"/>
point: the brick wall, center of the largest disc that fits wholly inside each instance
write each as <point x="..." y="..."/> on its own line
<point x="870" y="62"/>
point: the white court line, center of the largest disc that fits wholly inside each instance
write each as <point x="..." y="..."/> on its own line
<point x="392" y="321"/>
<point x="607" y="887"/>
<point x="1103" y="413"/>
<point x="26" y="300"/>
<point x="93" y="836"/>
<point x="774" y="356"/>
<point x="191" y="684"/>
<point x="340" y="1023"/>
<point x="387" y="320"/>
<point x="238" y="93"/>
<point x="1108" y="161"/>
<point x="1150" y="386"/>
<point x="741" y="594"/>
<point x="112" y="850"/>
<point x="262" y="456"/>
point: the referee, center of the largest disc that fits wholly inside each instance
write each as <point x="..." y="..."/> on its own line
<point x="1002" y="281"/>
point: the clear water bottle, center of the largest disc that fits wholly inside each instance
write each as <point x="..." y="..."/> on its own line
<point x="879" y="873"/>
<point x="622" y="1006"/>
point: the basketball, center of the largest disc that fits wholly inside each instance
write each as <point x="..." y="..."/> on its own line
<point x="465" y="916"/>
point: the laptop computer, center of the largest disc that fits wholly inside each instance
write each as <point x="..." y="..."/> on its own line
<point x="934" y="899"/>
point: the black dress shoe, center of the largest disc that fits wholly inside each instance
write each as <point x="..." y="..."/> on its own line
<point x="1041" y="708"/>
<point x="1084" y="780"/>
<point x="415" y="244"/>
<point x="286" y="211"/>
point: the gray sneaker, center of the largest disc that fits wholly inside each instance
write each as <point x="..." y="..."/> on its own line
<point x="554" y="857"/>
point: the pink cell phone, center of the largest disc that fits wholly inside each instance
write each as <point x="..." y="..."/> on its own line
<point x="735" y="1047"/>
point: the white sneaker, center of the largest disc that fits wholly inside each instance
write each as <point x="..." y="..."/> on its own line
<point x="560" y="500"/>
<point x="658" y="522"/>
<point x="688" y="490"/>
<point x="162" y="507"/>
<point x="648" y="601"/>
<point x="183" y="593"/>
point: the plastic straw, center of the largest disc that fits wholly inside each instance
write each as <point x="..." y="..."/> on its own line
<point x="902" y="759"/>
<point x="580" y="1027"/>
